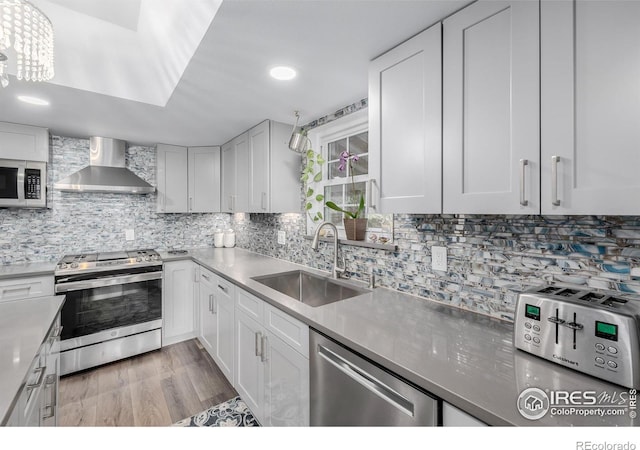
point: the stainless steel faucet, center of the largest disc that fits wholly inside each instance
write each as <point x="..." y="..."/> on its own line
<point x="336" y="271"/>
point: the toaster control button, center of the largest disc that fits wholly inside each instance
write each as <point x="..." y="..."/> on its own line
<point x="599" y="347"/>
<point x="599" y="360"/>
<point x="612" y="364"/>
<point x="527" y="325"/>
<point x="527" y="337"/>
<point x="612" y="350"/>
<point x="536" y="340"/>
<point x="536" y="328"/>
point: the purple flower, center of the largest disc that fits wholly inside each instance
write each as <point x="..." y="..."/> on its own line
<point x="344" y="160"/>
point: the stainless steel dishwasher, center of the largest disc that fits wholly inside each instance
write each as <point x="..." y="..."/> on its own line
<point x="348" y="390"/>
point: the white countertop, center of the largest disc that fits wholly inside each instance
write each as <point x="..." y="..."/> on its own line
<point x="26" y="270"/>
<point x="24" y="325"/>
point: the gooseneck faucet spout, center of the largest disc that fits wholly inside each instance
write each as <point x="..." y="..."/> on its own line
<point x="336" y="271"/>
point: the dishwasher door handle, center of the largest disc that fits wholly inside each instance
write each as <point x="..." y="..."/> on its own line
<point x="368" y="381"/>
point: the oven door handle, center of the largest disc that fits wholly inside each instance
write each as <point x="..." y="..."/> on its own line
<point x="110" y="281"/>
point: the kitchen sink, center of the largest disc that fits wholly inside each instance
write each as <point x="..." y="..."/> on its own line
<point x="310" y="289"/>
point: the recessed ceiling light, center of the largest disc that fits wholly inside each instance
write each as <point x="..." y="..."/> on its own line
<point x="283" y="73"/>
<point x="33" y="100"/>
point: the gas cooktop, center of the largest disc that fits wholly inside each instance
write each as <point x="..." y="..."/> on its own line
<point x="95" y="262"/>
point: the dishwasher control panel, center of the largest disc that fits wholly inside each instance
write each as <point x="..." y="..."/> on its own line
<point x="591" y="332"/>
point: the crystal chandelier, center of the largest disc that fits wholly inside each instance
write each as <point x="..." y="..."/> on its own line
<point x="26" y="41"/>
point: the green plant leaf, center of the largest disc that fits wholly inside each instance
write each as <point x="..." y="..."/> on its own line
<point x="309" y="192"/>
<point x="318" y="177"/>
<point x="308" y="206"/>
<point x="304" y="178"/>
<point x="318" y="216"/>
<point x="310" y="154"/>
<point x="320" y="160"/>
<point x="343" y="211"/>
<point x="319" y="197"/>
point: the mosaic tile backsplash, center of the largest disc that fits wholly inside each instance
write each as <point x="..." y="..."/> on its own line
<point x="490" y="258"/>
<point x="83" y="222"/>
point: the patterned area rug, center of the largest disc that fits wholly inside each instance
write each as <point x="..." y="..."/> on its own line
<point x="232" y="413"/>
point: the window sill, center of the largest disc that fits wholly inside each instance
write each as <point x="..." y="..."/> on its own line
<point x="364" y="244"/>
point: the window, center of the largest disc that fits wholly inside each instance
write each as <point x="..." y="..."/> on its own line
<point x="343" y="187"/>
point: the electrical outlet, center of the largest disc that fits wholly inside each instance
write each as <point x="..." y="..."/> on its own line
<point x="282" y="237"/>
<point x="439" y="258"/>
<point x="129" y="234"/>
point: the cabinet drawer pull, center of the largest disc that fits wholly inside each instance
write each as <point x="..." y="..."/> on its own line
<point x="258" y="343"/>
<point x="554" y="180"/>
<point x="523" y="164"/>
<point x="203" y="275"/>
<point x="223" y="289"/>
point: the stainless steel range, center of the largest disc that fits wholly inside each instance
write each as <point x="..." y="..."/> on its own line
<point x="113" y="307"/>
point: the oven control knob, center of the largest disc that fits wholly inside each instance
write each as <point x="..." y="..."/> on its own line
<point x="154" y="256"/>
<point x="146" y="258"/>
<point x="64" y="265"/>
<point x="139" y="259"/>
<point x="74" y="265"/>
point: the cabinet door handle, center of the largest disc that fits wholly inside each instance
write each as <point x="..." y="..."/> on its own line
<point x="223" y="289"/>
<point x="211" y="303"/>
<point x="233" y="203"/>
<point x="263" y="351"/>
<point x="370" y="202"/>
<point x="258" y="343"/>
<point x="190" y="203"/>
<point x="263" y="200"/>
<point x="554" y="180"/>
<point x="523" y="164"/>
<point x="51" y="383"/>
<point x="38" y="382"/>
<point x="214" y="306"/>
<point x="230" y="203"/>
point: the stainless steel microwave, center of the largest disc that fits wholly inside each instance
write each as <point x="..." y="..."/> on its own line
<point x="23" y="184"/>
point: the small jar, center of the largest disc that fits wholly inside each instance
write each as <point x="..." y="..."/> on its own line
<point x="218" y="238"/>
<point x="229" y="238"/>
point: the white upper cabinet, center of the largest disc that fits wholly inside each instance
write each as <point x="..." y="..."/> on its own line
<point x="259" y="168"/>
<point x="24" y="142"/>
<point x="188" y="179"/>
<point x="590" y="66"/>
<point x="259" y="172"/>
<point x="204" y="179"/>
<point x="173" y="188"/>
<point x="405" y="119"/>
<point x="235" y="174"/>
<point x="491" y="125"/>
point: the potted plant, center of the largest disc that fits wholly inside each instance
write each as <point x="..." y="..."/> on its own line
<point x="355" y="225"/>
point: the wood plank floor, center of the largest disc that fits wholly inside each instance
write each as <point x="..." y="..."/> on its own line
<point x="155" y="389"/>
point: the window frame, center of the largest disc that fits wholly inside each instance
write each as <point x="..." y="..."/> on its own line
<point x="345" y="127"/>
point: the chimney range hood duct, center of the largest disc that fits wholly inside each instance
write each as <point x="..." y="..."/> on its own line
<point x="106" y="172"/>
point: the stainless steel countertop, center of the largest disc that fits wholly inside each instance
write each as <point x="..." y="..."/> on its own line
<point x="24" y="325"/>
<point x="462" y="357"/>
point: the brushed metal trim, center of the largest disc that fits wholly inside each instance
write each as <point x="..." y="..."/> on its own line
<point x="105" y="352"/>
<point x="107" y="335"/>
<point x="107" y="281"/>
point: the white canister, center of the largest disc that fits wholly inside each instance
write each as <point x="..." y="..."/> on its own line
<point x="229" y="238"/>
<point x="218" y="238"/>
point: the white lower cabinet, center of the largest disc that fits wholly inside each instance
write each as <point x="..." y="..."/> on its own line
<point x="272" y="376"/>
<point x="28" y="287"/>
<point x="217" y="312"/>
<point x="178" y="302"/>
<point x="454" y="417"/>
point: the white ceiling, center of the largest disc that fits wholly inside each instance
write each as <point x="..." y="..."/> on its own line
<point x="194" y="72"/>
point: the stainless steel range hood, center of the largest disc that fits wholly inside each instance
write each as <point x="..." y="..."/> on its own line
<point x="106" y="172"/>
